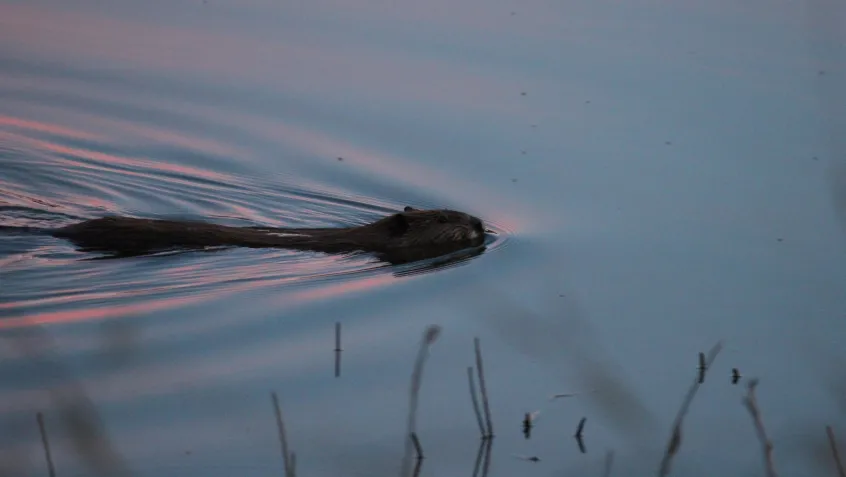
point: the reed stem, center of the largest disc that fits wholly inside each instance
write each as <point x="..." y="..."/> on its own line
<point x="46" y="443"/>
<point x="481" y="371"/>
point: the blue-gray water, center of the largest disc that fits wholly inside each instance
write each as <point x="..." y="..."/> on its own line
<point x="662" y="175"/>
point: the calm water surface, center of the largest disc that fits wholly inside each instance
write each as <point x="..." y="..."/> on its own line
<point x="661" y="177"/>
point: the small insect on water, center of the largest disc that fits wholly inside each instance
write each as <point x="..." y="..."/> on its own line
<point x="528" y="423"/>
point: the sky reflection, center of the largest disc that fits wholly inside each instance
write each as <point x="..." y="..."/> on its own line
<point x="665" y="180"/>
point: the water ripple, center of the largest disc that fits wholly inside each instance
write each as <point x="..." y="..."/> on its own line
<point x="117" y="157"/>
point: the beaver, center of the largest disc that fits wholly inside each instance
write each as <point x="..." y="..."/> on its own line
<point x="410" y="235"/>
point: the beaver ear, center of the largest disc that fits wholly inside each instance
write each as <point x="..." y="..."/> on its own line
<point x="409" y="208"/>
<point x="397" y="225"/>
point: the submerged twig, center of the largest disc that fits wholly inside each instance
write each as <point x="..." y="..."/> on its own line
<point x="417" y="446"/>
<point x="338" y="349"/>
<point x="50" y="469"/>
<point x="567" y="395"/>
<point x="338" y="336"/>
<point x="483" y="458"/>
<point x="676" y="434"/>
<point x="417" y="468"/>
<point x="288" y="459"/>
<point x="580" y="427"/>
<point x="751" y="404"/>
<point x="337" y="364"/>
<point x="609" y="462"/>
<point x="581" y="443"/>
<point x="702" y="367"/>
<point x="475" y="400"/>
<point x="486" y="464"/>
<point x="834" y="452"/>
<point x="578" y="435"/>
<point x="532" y="458"/>
<point x="480" y="369"/>
<point x="479" y="454"/>
<point x="429" y="336"/>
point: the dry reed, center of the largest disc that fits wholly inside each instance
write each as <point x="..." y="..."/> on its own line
<point x="475" y="400"/>
<point x="288" y="459"/>
<point x="417" y="447"/>
<point x="751" y="404"/>
<point x="46" y="443"/>
<point x="834" y="452"/>
<point x="481" y="371"/>
<point x="674" y="442"/>
<point x="429" y="336"/>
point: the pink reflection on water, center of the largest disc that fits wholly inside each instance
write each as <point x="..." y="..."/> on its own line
<point x="245" y="212"/>
<point x="97" y="313"/>
<point x="246" y="278"/>
<point x="178" y="139"/>
<point x="201" y="284"/>
<point x="342" y="288"/>
<point x="23" y="124"/>
<point x="120" y="130"/>
<point x="70" y="296"/>
<point x="243" y="56"/>
<point x="110" y="159"/>
<point x="91" y="201"/>
<point x="100" y="162"/>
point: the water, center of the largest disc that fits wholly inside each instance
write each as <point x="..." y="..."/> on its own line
<point x="661" y="177"/>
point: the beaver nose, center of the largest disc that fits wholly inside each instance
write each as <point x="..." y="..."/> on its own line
<point x="478" y="226"/>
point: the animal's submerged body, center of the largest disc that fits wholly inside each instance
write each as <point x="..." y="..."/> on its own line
<point x="405" y="236"/>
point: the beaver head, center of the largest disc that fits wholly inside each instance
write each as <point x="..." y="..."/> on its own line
<point x="420" y="228"/>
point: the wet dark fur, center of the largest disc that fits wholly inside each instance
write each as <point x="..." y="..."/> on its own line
<point x="405" y="236"/>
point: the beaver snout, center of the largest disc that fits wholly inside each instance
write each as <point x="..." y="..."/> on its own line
<point x="478" y="229"/>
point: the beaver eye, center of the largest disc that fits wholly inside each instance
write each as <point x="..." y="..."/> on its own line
<point x="442" y="219"/>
